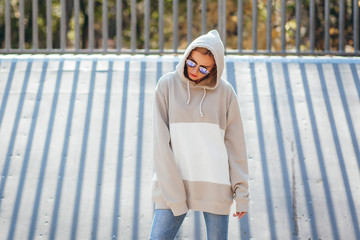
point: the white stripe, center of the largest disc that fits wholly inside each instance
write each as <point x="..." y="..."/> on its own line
<point x="200" y="152"/>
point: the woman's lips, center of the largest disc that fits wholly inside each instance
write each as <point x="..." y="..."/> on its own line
<point x="192" y="75"/>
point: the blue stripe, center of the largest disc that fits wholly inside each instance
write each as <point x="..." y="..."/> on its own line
<point x="116" y="216"/>
<point x="356" y="78"/>
<point x="139" y="152"/>
<point x="61" y="174"/>
<point x="339" y="153"/>
<point x="9" y="154"/>
<point x="7" y="90"/>
<point x="264" y="160"/>
<point x="84" y="145"/>
<point x="301" y="158"/>
<point x="284" y="166"/>
<point x="230" y="70"/>
<point x="158" y="71"/>
<point x="45" y="154"/>
<point x="102" y="154"/>
<point x="27" y="154"/>
<point x="347" y="113"/>
<point x="320" y="156"/>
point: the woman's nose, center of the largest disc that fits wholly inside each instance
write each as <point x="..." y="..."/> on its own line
<point x="194" y="69"/>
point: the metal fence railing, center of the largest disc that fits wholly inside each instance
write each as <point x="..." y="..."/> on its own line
<point x="130" y="26"/>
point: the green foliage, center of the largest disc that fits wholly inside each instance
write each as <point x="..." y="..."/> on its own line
<point x="232" y="20"/>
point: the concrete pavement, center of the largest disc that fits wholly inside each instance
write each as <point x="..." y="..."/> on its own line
<point x="75" y="146"/>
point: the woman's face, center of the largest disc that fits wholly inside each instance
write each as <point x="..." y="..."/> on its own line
<point x="201" y="60"/>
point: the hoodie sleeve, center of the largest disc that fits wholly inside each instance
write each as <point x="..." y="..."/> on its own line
<point x="236" y="148"/>
<point x="168" y="175"/>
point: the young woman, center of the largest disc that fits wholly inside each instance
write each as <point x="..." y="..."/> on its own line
<point x="198" y="144"/>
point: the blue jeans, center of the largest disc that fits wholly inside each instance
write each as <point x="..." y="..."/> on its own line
<point x="165" y="225"/>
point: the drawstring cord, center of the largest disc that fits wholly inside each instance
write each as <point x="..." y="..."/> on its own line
<point x="202" y="100"/>
<point x="188" y="90"/>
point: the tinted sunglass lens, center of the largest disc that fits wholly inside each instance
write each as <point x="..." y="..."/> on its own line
<point x="193" y="64"/>
<point x="190" y="63"/>
<point x="203" y="70"/>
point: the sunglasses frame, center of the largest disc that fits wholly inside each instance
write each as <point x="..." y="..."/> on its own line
<point x="191" y="64"/>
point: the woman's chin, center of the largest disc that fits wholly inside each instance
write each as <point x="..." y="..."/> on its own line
<point x="195" y="79"/>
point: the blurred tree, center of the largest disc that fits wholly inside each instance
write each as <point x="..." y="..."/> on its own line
<point x="212" y="23"/>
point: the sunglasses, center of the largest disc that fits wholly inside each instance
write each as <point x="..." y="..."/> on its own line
<point x="193" y="64"/>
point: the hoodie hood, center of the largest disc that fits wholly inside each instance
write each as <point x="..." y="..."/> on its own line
<point x="212" y="42"/>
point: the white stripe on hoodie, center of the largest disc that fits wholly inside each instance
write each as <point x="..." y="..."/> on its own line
<point x="198" y="140"/>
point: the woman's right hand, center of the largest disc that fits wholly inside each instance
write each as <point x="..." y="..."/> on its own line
<point x="239" y="215"/>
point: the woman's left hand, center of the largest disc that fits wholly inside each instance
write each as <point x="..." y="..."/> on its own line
<point x="239" y="215"/>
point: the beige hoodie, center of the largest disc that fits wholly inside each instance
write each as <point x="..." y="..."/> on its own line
<point x="198" y="140"/>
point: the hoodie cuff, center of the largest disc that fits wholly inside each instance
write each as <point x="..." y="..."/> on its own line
<point x="242" y="205"/>
<point x="179" y="209"/>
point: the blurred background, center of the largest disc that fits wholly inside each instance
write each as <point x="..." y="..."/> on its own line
<point x="332" y="17"/>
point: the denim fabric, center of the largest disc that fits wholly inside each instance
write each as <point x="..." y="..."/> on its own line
<point x="216" y="226"/>
<point x="165" y="225"/>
